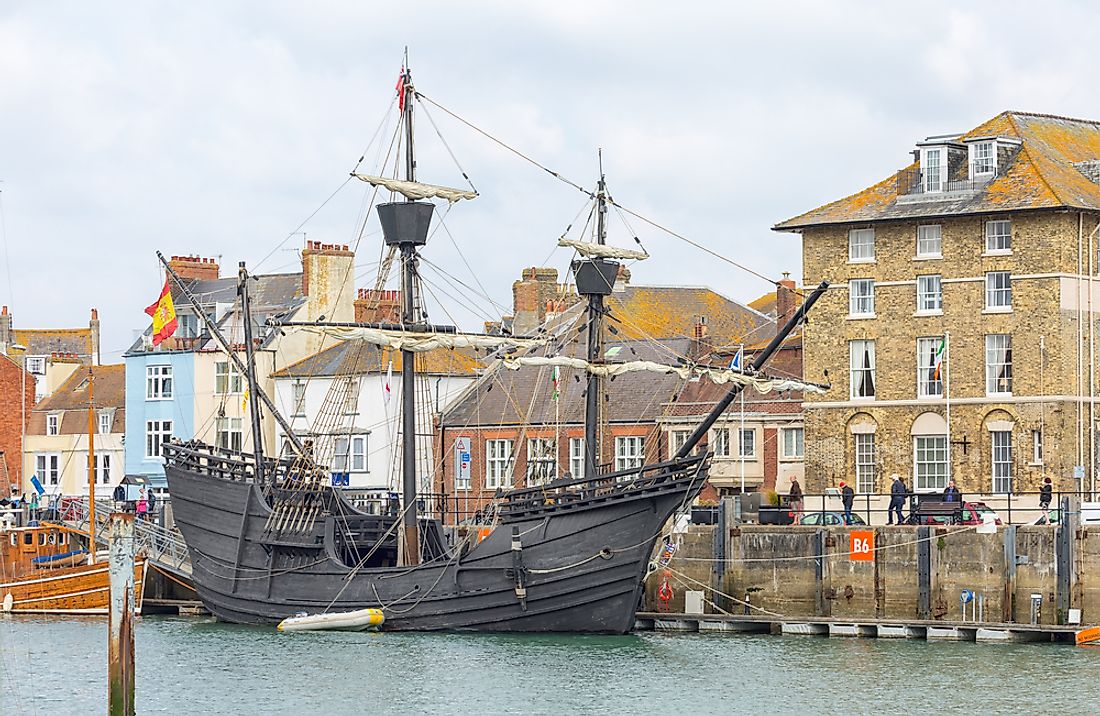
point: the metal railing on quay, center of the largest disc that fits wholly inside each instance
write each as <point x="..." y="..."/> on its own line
<point x="162" y="546"/>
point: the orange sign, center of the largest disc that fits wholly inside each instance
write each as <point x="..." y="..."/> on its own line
<point x="861" y="545"/>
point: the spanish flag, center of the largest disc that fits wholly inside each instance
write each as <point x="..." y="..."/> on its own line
<point x="164" y="315"/>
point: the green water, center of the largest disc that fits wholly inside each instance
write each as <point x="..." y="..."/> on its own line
<point x="193" y="666"/>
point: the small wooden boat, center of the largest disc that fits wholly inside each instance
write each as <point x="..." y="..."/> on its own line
<point x="358" y="620"/>
<point x="42" y="571"/>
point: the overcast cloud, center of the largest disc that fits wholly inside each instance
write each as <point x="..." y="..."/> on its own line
<point x="216" y="128"/>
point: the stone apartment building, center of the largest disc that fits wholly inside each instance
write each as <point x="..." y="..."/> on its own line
<point x="960" y="328"/>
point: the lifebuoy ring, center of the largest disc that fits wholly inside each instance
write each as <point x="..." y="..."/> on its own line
<point x="664" y="592"/>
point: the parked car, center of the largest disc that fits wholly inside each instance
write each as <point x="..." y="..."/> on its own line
<point x="829" y="519"/>
<point x="973" y="513"/>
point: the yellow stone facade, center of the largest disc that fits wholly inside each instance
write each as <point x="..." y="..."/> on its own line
<point x="1053" y="386"/>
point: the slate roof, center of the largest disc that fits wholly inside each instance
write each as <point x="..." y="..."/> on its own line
<point x="1041" y="176"/>
<point x="71" y="399"/>
<point x="365" y="358"/>
<point x="46" y="341"/>
<point x="269" y="294"/>
<point x="523" y="396"/>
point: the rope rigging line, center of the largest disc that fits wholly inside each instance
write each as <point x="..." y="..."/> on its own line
<point x="592" y="194"/>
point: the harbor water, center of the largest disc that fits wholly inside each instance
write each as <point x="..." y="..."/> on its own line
<point x="198" y="666"/>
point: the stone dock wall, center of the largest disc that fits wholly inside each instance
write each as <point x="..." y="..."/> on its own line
<point x="913" y="573"/>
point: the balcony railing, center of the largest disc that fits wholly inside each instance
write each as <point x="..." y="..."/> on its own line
<point x="915" y="181"/>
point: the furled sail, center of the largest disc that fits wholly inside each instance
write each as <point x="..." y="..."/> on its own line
<point x="602" y="251"/>
<point x="415" y="190"/>
<point x="761" y="383"/>
<point x="417" y="342"/>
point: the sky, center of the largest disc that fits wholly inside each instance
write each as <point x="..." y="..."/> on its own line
<point x="228" y="130"/>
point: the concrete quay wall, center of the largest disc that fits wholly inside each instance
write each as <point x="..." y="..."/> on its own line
<point x="912" y="573"/>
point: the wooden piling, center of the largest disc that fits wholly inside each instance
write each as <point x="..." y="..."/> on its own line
<point x="120" y="649"/>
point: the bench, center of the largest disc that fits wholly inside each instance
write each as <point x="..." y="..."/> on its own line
<point x="952" y="511"/>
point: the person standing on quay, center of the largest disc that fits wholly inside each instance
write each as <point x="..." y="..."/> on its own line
<point x="142" y="505"/>
<point x="951" y="493"/>
<point x="1045" y="493"/>
<point x="795" y="499"/>
<point x="847" y="496"/>
<point x="897" y="499"/>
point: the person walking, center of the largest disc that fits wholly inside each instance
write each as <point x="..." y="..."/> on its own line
<point x="794" y="497"/>
<point x="1045" y="494"/>
<point x="897" y="499"/>
<point x="142" y="505"/>
<point x="847" y="496"/>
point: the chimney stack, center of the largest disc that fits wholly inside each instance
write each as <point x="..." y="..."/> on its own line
<point x="378" y="306"/>
<point x="786" y="300"/>
<point x="530" y="296"/>
<point x="93" y="326"/>
<point x="328" y="281"/>
<point x="194" y="268"/>
<point x="5" y="329"/>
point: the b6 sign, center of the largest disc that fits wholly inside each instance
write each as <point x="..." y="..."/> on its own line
<point x="861" y="547"/>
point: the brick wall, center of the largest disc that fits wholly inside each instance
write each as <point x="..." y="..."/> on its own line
<point x="10" y="415"/>
<point x="1044" y="245"/>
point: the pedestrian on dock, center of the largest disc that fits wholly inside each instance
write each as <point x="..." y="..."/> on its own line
<point x="897" y="499"/>
<point x="951" y="493"/>
<point x="847" y="496"/>
<point x="795" y="499"/>
<point x="142" y="505"/>
<point x="1045" y="493"/>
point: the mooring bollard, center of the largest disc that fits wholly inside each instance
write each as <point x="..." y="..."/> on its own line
<point x="120" y="649"/>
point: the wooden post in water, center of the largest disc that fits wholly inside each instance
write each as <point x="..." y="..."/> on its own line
<point x="120" y="650"/>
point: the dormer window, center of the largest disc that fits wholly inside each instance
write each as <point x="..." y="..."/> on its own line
<point x="932" y="166"/>
<point x="983" y="158"/>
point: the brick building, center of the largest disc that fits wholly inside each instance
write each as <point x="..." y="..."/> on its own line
<point x="517" y="434"/>
<point x="960" y="329"/>
<point x="16" y="405"/>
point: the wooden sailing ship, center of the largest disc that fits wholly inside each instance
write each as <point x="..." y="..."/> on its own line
<point x="271" y="538"/>
<point x="48" y="568"/>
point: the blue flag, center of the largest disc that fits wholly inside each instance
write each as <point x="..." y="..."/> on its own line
<point x="37" y="485"/>
<point x="738" y="361"/>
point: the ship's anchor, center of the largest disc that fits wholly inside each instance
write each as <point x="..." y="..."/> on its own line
<point x="517" y="569"/>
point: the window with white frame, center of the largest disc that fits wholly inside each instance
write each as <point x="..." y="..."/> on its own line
<point x="794" y="443"/>
<point x="861" y="245"/>
<point x="929" y="241"/>
<point x="102" y="468"/>
<point x="498" y="463"/>
<point x="929" y="294"/>
<point x="998" y="235"/>
<point x="676" y="440"/>
<point x="227" y="379"/>
<point x="350" y="453"/>
<point x="930" y="354"/>
<point x="983" y="158"/>
<point x="36" y="365"/>
<point x="157" y="432"/>
<point x="106" y="419"/>
<point x="228" y="434"/>
<point x="998" y="364"/>
<point x="47" y="468"/>
<point x="932" y="170"/>
<point x="53" y="424"/>
<point x="298" y="398"/>
<point x="1037" y="447"/>
<point x="866" y="476"/>
<point x="720" y="442"/>
<point x="629" y="452"/>
<point x="930" y="462"/>
<point x="158" y="382"/>
<point x="746" y="442"/>
<point x="187" y="325"/>
<point x="576" y="457"/>
<point x="1001" y="441"/>
<point x="861" y="364"/>
<point x="861" y="297"/>
<point x="542" y="460"/>
<point x="998" y="290"/>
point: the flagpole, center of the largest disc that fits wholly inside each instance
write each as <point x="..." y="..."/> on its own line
<point x="947" y="393"/>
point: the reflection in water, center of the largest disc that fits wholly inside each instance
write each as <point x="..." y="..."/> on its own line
<point x="198" y="666"/>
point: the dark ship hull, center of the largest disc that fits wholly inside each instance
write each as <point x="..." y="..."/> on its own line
<point x="569" y="557"/>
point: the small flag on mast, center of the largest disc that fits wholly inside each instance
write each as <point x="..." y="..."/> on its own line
<point x="387" y="391"/>
<point x="738" y="362"/>
<point x="555" y="378"/>
<point x="164" y="315"/>
<point x="937" y="362"/>
<point x="401" y="90"/>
